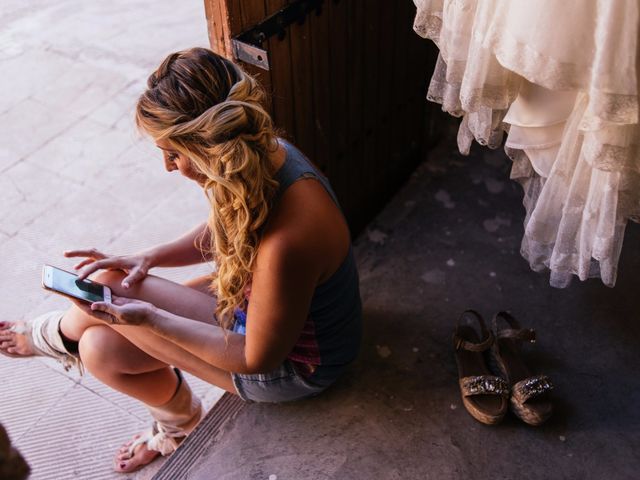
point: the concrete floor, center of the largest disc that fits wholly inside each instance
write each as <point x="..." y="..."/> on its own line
<point x="74" y="173"/>
<point x="449" y="241"/>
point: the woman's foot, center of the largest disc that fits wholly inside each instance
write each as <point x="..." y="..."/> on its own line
<point x="13" y="343"/>
<point x="126" y="462"/>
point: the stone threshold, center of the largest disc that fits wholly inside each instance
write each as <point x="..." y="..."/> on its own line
<point x="200" y="440"/>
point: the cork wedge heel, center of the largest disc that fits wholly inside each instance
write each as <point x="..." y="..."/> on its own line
<point x="485" y="396"/>
<point x="530" y="400"/>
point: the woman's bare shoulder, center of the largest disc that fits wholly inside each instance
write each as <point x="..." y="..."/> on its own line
<point x="308" y="222"/>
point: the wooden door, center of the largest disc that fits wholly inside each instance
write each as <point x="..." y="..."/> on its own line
<point x="348" y="84"/>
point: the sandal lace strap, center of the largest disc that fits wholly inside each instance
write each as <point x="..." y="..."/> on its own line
<point x="484" y="385"/>
<point x="160" y="438"/>
<point x="45" y="338"/>
<point x="174" y="420"/>
<point x="530" y="387"/>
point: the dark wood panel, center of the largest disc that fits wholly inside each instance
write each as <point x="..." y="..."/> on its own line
<point x="281" y="77"/>
<point x="336" y="48"/>
<point x="348" y="87"/>
<point x="371" y="104"/>
<point x="355" y="154"/>
<point x="321" y="71"/>
<point x="303" y="87"/>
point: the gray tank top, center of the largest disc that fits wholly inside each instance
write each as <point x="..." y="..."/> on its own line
<point x="332" y="332"/>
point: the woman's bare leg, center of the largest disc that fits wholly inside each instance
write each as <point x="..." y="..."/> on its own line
<point x="135" y="361"/>
<point x="154" y="351"/>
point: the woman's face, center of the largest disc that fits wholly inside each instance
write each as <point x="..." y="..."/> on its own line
<point x="174" y="160"/>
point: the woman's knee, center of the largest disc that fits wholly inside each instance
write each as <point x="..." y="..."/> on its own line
<point x="101" y="348"/>
<point x="111" y="278"/>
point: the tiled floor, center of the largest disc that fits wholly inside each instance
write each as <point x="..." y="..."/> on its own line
<point x="75" y="173"/>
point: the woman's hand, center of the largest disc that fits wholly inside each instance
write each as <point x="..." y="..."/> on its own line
<point x="136" y="266"/>
<point x="121" y="311"/>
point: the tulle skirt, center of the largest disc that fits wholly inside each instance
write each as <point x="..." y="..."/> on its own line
<point x="559" y="77"/>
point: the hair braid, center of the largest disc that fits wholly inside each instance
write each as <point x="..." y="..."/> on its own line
<point x="210" y="110"/>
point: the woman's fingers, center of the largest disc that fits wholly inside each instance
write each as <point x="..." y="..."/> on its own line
<point x="89" y="252"/>
<point x="105" y="263"/>
<point x="105" y="311"/>
<point x="99" y="314"/>
<point x="89" y="269"/>
<point x="84" y="262"/>
<point x="135" y="275"/>
<point x="105" y="317"/>
<point x="120" y="301"/>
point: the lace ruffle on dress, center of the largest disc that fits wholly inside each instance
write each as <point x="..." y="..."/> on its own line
<point x="560" y="77"/>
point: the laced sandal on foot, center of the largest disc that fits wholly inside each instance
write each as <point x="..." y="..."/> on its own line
<point x="484" y="395"/>
<point x="43" y="335"/>
<point x="173" y="421"/>
<point x="530" y="399"/>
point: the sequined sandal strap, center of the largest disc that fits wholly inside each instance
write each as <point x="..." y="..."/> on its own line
<point x="461" y="343"/>
<point x="484" y="385"/>
<point x="529" y="388"/>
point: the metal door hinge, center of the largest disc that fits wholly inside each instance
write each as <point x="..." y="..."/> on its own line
<point x="248" y="45"/>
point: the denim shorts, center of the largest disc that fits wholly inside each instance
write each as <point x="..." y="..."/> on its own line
<point x="284" y="384"/>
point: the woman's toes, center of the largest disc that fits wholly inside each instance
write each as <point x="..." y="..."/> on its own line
<point x="6" y="335"/>
<point x="6" y="326"/>
<point x="124" y="454"/>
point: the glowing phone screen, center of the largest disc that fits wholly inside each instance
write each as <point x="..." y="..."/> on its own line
<point x="83" y="289"/>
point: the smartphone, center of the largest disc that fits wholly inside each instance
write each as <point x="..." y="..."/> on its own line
<point x="67" y="284"/>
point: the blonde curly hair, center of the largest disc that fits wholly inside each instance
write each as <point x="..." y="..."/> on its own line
<point x="210" y="110"/>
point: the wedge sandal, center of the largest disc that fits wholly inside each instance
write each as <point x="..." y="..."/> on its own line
<point x="485" y="396"/>
<point x="530" y="400"/>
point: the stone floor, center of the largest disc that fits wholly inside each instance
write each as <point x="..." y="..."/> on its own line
<point x="447" y="242"/>
<point x="74" y="173"/>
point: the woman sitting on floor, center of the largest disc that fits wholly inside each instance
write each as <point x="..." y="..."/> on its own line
<point x="280" y="318"/>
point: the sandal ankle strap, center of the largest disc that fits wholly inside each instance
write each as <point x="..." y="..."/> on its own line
<point x="485" y="344"/>
<point x="174" y="420"/>
<point x="516" y="332"/>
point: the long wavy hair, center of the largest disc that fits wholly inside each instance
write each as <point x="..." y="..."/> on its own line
<point x="210" y="110"/>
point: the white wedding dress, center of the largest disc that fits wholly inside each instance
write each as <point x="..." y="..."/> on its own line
<point x="560" y="76"/>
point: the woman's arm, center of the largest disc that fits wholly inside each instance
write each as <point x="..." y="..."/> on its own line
<point x="180" y="252"/>
<point x="202" y="340"/>
<point x="184" y="250"/>
<point x="292" y="259"/>
<point x="283" y="284"/>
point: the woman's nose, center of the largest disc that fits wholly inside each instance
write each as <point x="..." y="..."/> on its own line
<point x="169" y="165"/>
